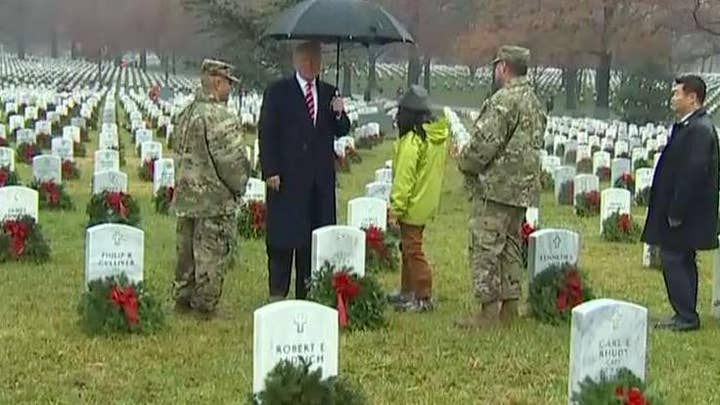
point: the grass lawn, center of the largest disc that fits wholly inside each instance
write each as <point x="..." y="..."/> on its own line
<point x="419" y="359"/>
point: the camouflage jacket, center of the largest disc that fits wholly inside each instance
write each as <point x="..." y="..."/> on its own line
<point x="502" y="160"/>
<point x="211" y="166"/>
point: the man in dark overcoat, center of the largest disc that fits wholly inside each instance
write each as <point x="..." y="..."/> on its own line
<point x="683" y="212"/>
<point x="300" y="118"/>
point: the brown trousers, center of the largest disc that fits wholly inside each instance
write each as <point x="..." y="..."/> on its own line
<point x="416" y="276"/>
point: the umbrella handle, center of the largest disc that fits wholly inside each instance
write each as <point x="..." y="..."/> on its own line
<point x="337" y="65"/>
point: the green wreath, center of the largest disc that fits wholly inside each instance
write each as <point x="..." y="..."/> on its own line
<point x="585" y="166"/>
<point x="566" y="195"/>
<point x="162" y="199"/>
<point x="546" y="180"/>
<point x="70" y="170"/>
<point x="587" y="204"/>
<point x="252" y="220"/>
<point x="642" y="198"/>
<point x="7" y="177"/>
<point x="365" y="311"/>
<point x="53" y="196"/>
<point x="112" y="208"/>
<point x="381" y="249"/>
<point x="295" y="384"/>
<point x="21" y="239"/>
<point x="115" y="305"/>
<point x="625" y="388"/>
<point x="641" y="164"/>
<point x="621" y="228"/>
<point x="555" y="292"/>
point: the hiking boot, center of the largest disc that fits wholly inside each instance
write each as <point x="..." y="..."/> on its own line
<point x="399" y="298"/>
<point x="509" y="311"/>
<point x="417" y="306"/>
<point x="487" y="316"/>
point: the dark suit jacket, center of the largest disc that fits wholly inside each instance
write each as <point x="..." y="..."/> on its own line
<point x="303" y="155"/>
<point x="685" y="187"/>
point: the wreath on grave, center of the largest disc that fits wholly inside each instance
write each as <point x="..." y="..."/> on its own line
<point x="585" y="166"/>
<point x="555" y="292"/>
<point x="53" y="196"/>
<point x="603" y="173"/>
<point x="84" y="135"/>
<point x="70" y="170"/>
<point x="360" y="301"/>
<point x="651" y="156"/>
<point x="146" y="172"/>
<point x="560" y="151"/>
<point x="352" y="156"/>
<point x="294" y="384"/>
<point x="162" y="199"/>
<point x="566" y="196"/>
<point x="111" y="207"/>
<point x="7" y="177"/>
<point x="587" y="204"/>
<point x="21" y="239"/>
<point x="43" y="140"/>
<point x="626" y="181"/>
<point x="625" y="388"/>
<point x="342" y="164"/>
<point x="571" y="157"/>
<point x="620" y="228"/>
<point x="381" y="249"/>
<point x="642" y="198"/>
<point x="115" y="305"/>
<point x="251" y="220"/>
<point x="3" y="142"/>
<point x="79" y="149"/>
<point x="26" y="152"/>
<point x="526" y="229"/>
<point x="593" y="149"/>
<point x="546" y="180"/>
<point x="641" y="164"/>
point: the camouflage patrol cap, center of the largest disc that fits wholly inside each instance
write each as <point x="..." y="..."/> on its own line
<point x="514" y="54"/>
<point x="217" y="68"/>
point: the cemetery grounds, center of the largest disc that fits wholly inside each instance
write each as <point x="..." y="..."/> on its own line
<point x="418" y="359"/>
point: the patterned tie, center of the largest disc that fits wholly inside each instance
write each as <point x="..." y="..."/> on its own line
<point x="310" y="101"/>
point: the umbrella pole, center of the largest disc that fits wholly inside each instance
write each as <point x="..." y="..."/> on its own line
<point x="337" y="68"/>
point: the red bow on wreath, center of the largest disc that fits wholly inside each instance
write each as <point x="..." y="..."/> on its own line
<point x="257" y="210"/>
<point x="150" y="168"/>
<point x="624" y="223"/>
<point x="51" y="192"/>
<point x="28" y="153"/>
<point x="67" y="168"/>
<point x="525" y="231"/>
<point x="632" y="396"/>
<point x="126" y="300"/>
<point x="570" y="294"/>
<point x="169" y="193"/>
<point x="593" y="198"/>
<point x="115" y="201"/>
<point x="346" y="290"/>
<point x="18" y="232"/>
<point x="627" y="178"/>
<point x="3" y="177"/>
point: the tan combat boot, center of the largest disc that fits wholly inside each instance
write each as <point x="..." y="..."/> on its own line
<point x="487" y="316"/>
<point x="509" y="311"/>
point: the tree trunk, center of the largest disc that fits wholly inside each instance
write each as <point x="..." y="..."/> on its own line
<point x="99" y="65"/>
<point x="414" y="67"/>
<point x="174" y="61"/>
<point x="143" y="60"/>
<point x="73" y="50"/>
<point x="166" y="67"/>
<point x="372" y="75"/>
<point x="21" y="44"/>
<point x="427" y="72"/>
<point x="602" y="84"/>
<point x="347" y="80"/>
<point x="570" y="82"/>
<point x="54" y="53"/>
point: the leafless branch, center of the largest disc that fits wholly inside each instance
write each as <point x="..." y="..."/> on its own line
<point x="698" y="23"/>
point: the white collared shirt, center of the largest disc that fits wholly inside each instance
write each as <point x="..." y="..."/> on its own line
<point x="685" y="118"/>
<point x="303" y="83"/>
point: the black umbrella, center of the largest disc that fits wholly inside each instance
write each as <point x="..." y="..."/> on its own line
<point x="337" y="21"/>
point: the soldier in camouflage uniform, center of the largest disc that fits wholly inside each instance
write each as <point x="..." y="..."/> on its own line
<point x="501" y="164"/>
<point x="212" y="171"/>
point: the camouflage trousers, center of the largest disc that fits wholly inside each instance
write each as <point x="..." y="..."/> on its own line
<point x="495" y="250"/>
<point x="204" y="251"/>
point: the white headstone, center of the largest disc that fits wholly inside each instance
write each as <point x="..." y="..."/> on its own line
<point x="341" y="246"/>
<point x="562" y="175"/>
<point x="107" y="159"/>
<point x="163" y="174"/>
<point x="614" y="200"/>
<point x="255" y="190"/>
<point x="379" y="190"/>
<point x="618" y="168"/>
<point x="109" y="180"/>
<point x="643" y="179"/>
<point x="552" y="247"/>
<point x="150" y="151"/>
<point x="25" y="136"/>
<point x="108" y="140"/>
<point x="142" y="136"/>
<point x="532" y="216"/>
<point x="550" y="163"/>
<point x="606" y="336"/>
<point x="16" y="201"/>
<point x="600" y="159"/>
<point x="62" y="148"/>
<point x="383" y="175"/>
<point x="365" y="212"/>
<point x="7" y="158"/>
<point x="291" y="331"/>
<point x="113" y="249"/>
<point x="583" y="152"/>
<point x="584" y="183"/>
<point x="71" y="133"/>
<point x="47" y="168"/>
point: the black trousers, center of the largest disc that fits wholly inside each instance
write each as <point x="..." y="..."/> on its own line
<point x="681" y="281"/>
<point x="280" y="269"/>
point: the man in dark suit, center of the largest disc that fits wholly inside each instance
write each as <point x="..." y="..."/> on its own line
<point x="683" y="212"/>
<point x="300" y="118"/>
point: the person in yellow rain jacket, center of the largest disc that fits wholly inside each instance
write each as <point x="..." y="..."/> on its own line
<point x="418" y="168"/>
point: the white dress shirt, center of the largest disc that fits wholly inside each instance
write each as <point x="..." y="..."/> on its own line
<point x="303" y="85"/>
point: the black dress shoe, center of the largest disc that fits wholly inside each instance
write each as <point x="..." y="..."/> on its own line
<point x="667" y="322"/>
<point x="680" y="325"/>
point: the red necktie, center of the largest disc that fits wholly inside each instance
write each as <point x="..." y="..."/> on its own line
<point x="310" y="101"/>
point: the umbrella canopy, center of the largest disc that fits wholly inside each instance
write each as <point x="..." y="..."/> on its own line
<point x="338" y="21"/>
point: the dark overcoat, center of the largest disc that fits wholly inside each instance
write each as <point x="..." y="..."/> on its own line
<point x="303" y="155"/>
<point x="685" y="187"/>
